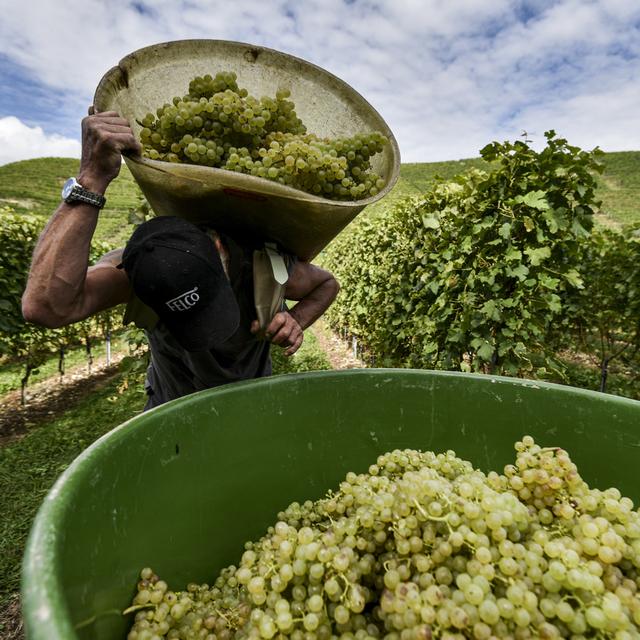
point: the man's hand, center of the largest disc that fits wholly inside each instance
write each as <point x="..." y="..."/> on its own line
<point x="315" y="289"/>
<point x="105" y="136"/>
<point x="284" y="330"/>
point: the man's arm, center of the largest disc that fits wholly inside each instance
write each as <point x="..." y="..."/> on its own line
<point x="61" y="288"/>
<point x="315" y="289"/>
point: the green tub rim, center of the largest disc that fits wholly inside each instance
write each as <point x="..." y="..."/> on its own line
<point x="39" y="578"/>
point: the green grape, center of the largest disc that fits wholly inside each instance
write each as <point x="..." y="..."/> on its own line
<point x="423" y="545"/>
<point x="216" y="110"/>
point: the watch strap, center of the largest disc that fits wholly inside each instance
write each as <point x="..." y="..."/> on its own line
<point x="79" y="193"/>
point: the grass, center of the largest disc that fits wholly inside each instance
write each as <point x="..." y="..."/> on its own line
<point x="33" y="186"/>
<point x="29" y="467"/>
<point x="420" y="175"/>
<point x="619" y="187"/>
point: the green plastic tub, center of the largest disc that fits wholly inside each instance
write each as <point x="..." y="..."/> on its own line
<point x="182" y="487"/>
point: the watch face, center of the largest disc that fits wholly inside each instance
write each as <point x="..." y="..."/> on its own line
<point x="68" y="186"/>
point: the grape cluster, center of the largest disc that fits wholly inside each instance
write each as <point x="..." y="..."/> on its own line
<point x="425" y="546"/>
<point x="218" y="124"/>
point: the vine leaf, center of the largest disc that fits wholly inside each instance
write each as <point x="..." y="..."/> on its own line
<point x="537" y="255"/>
<point x="534" y="199"/>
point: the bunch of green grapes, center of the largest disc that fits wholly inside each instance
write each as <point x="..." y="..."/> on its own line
<point x="218" y="124"/>
<point x="425" y="546"/>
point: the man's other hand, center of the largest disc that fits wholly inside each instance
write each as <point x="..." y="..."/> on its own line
<point x="105" y="136"/>
<point x="284" y="331"/>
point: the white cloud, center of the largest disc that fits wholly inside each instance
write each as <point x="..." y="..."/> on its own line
<point x="448" y="77"/>
<point x="586" y="118"/>
<point x="21" y="142"/>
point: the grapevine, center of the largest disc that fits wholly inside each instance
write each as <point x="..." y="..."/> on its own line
<point x="20" y="341"/>
<point x="478" y="273"/>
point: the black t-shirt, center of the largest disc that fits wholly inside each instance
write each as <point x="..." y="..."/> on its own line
<point x="174" y="372"/>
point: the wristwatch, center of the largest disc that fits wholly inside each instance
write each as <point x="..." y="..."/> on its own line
<point x="73" y="191"/>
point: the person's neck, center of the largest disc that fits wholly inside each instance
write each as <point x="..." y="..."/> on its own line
<point x="223" y="251"/>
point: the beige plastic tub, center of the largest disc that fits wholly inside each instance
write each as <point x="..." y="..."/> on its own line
<point x="240" y="204"/>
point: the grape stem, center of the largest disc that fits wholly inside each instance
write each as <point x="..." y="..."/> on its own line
<point x="225" y="618"/>
<point x="573" y="596"/>
<point x="270" y="570"/>
<point x="137" y="607"/>
<point x="92" y="619"/>
<point x="406" y="563"/>
<point x="346" y="587"/>
<point x="425" y="515"/>
<point x="420" y="509"/>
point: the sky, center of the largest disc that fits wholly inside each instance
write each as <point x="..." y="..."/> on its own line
<point x="448" y="76"/>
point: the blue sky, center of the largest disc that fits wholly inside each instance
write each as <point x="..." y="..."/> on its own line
<point x="447" y="76"/>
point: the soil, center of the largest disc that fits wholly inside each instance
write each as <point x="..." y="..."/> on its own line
<point x="11" y="627"/>
<point x="25" y="203"/>
<point x="339" y="353"/>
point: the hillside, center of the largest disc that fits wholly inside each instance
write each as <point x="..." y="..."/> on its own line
<point x="620" y="186"/>
<point x="420" y="175"/>
<point x="33" y="186"/>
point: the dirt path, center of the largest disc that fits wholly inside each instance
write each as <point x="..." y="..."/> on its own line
<point x="51" y="397"/>
<point x="339" y="353"/>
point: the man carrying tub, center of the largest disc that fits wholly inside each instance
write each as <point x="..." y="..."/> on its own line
<point x="192" y="289"/>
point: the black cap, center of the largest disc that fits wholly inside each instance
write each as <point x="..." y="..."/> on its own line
<point x="175" y="269"/>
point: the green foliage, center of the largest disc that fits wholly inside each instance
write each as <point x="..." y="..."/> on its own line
<point x="604" y="315"/>
<point x="140" y="213"/>
<point x="20" y="341"/>
<point x="372" y="264"/>
<point x="472" y="275"/>
<point x="134" y="365"/>
<point x="18" y="235"/>
<point x="23" y="342"/>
